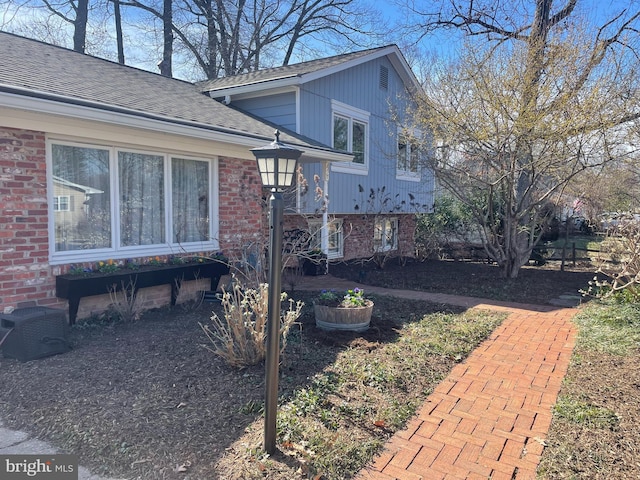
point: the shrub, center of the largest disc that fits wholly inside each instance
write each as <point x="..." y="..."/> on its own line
<point x="124" y="302"/>
<point x="239" y="337"/>
<point x="622" y="270"/>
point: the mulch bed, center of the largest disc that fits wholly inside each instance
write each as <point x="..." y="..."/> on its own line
<point x="146" y="400"/>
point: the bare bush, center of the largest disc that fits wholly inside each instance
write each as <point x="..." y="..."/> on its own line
<point x="124" y="301"/>
<point x="622" y="268"/>
<point x="239" y="337"/>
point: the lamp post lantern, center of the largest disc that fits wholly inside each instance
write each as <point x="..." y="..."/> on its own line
<point x="277" y="166"/>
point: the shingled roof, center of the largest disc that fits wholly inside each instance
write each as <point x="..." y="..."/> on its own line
<point x="38" y="70"/>
<point x="301" y="72"/>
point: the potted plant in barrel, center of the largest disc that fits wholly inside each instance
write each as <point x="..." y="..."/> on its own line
<point x="343" y="311"/>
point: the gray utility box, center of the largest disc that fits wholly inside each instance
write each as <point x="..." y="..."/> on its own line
<point x="34" y="332"/>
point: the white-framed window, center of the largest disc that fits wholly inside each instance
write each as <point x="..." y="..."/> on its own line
<point x="350" y="133"/>
<point x="61" y="203"/>
<point x="408" y="157"/>
<point x="335" y="237"/>
<point x="385" y="234"/>
<point x="135" y="202"/>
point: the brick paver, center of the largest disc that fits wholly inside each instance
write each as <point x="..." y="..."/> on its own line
<point x="490" y="416"/>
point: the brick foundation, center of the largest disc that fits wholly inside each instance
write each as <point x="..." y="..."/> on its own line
<point x="358" y="234"/>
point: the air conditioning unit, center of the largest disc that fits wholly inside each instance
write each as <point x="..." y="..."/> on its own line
<point x="34" y="332"/>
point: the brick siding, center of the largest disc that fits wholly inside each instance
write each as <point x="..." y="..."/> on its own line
<point x="27" y="279"/>
<point x="358" y="234"/>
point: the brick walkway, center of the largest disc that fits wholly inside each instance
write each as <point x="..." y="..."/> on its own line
<point x="488" y="419"/>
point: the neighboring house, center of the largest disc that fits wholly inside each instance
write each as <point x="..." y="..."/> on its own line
<point x="356" y="103"/>
<point x="73" y="207"/>
<point x="101" y="161"/>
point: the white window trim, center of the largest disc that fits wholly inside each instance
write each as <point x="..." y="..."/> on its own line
<point x="316" y="225"/>
<point x="351" y="113"/>
<point x="388" y="248"/>
<point x="407" y="175"/>
<point x="119" y="252"/>
<point x="54" y="203"/>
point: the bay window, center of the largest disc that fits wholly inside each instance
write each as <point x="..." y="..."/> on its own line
<point x="128" y="203"/>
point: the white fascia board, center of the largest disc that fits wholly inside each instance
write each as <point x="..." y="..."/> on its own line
<point x="392" y="52"/>
<point x="308" y="77"/>
<point x="283" y="84"/>
<point x="395" y="57"/>
<point x="405" y="71"/>
<point x="140" y="120"/>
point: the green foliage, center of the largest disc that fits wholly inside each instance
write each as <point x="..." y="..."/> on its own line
<point x="350" y="299"/>
<point x="107" y="267"/>
<point x="343" y="416"/>
<point x="609" y="328"/>
<point x="450" y="220"/>
<point x="577" y="411"/>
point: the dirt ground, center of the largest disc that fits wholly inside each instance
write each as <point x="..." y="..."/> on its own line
<point x="147" y="401"/>
<point x="535" y="285"/>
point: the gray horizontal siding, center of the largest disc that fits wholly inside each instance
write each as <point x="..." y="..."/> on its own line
<point x="279" y="109"/>
<point x="359" y="87"/>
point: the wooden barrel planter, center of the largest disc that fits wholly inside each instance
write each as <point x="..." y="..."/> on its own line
<point x="356" y="319"/>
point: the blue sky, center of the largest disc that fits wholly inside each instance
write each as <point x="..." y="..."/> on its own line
<point x="439" y="44"/>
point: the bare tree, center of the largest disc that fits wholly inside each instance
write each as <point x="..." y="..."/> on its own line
<point x="80" y="24"/>
<point x="230" y="37"/>
<point x="532" y="101"/>
<point x="75" y="12"/>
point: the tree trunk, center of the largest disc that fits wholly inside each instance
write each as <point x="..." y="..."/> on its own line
<point x="119" y="41"/>
<point x="80" y="26"/>
<point x="166" y="65"/>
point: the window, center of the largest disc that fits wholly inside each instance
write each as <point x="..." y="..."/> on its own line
<point x="336" y="242"/>
<point x="408" y="161"/>
<point x="385" y="234"/>
<point x="141" y="185"/>
<point x="190" y="195"/>
<point x="133" y="203"/>
<point x="350" y="134"/>
<point x="88" y="171"/>
<point x="61" y="203"/>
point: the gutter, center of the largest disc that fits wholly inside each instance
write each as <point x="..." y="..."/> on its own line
<point x="42" y="102"/>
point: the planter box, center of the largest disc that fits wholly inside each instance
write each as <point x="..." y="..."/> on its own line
<point x="74" y="287"/>
<point x="354" y="319"/>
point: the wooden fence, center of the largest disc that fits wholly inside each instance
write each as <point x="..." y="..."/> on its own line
<point x="568" y="253"/>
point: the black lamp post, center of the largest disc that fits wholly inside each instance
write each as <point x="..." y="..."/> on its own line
<point x="277" y="166"/>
